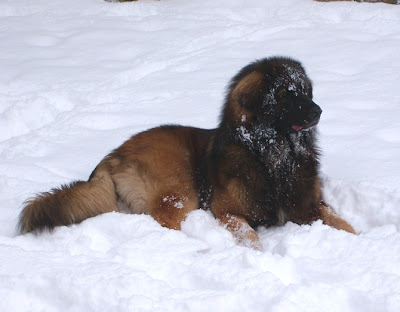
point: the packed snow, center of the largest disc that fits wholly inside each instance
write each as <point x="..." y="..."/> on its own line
<point x="79" y="77"/>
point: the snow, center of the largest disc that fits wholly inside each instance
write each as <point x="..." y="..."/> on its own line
<point x="79" y="77"/>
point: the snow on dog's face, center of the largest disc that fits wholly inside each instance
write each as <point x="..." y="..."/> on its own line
<point x="274" y="93"/>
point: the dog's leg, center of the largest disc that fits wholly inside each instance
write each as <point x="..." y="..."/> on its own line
<point x="329" y="217"/>
<point x="228" y="207"/>
<point x="243" y="233"/>
<point x="168" y="200"/>
<point x="171" y="209"/>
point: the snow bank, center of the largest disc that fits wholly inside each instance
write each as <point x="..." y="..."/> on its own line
<point x="79" y="77"/>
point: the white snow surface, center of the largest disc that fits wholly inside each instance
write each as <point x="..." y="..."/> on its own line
<point x="79" y="77"/>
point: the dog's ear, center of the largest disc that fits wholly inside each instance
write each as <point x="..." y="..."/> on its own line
<point x="245" y="92"/>
<point x="243" y="97"/>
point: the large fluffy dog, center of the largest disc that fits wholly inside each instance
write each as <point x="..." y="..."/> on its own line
<point x="259" y="167"/>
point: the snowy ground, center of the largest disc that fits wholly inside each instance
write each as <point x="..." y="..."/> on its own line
<point x="79" y="77"/>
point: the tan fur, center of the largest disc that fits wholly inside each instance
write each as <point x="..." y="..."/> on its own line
<point x="228" y="208"/>
<point x="247" y="85"/>
<point x="154" y="176"/>
<point x="151" y="173"/>
<point x="171" y="210"/>
<point x="71" y="204"/>
<point x="244" y="88"/>
<point x="243" y="233"/>
<point x="329" y="217"/>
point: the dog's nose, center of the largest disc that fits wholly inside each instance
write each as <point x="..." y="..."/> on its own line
<point x="315" y="112"/>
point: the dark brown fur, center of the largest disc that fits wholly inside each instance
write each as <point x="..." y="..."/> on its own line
<point x="259" y="167"/>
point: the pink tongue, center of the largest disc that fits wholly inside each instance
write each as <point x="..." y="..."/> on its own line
<point x="297" y="128"/>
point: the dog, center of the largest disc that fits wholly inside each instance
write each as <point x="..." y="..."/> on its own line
<point x="259" y="167"/>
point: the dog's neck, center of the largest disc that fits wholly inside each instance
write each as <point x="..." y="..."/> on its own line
<point x="267" y="143"/>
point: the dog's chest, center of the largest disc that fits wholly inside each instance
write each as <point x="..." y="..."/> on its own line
<point x="282" y="182"/>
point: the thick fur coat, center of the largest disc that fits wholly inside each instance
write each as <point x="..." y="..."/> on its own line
<point x="258" y="167"/>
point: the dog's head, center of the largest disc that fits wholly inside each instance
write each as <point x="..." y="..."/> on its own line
<point x="274" y="92"/>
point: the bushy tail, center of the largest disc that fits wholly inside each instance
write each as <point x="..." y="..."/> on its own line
<point x="69" y="204"/>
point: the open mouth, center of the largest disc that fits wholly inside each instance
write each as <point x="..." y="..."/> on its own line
<point x="305" y="127"/>
<point x="297" y="128"/>
<point x="311" y="118"/>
